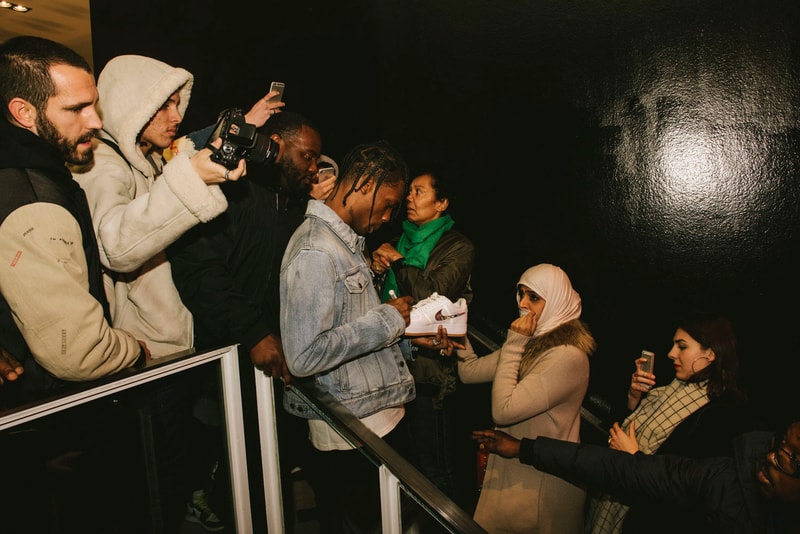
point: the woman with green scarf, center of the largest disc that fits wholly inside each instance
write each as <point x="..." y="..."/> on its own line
<point x="430" y="256"/>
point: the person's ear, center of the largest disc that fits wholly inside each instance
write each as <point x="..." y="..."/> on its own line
<point x="278" y="141"/>
<point x="711" y="355"/>
<point x="368" y="185"/>
<point x="22" y="112"/>
<point x="443" y="204"/>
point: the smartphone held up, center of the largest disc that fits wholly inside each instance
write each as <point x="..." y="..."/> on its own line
<point x="325" y="173"/>
<point x="647" y="366"/>
<point x="277" y="86"/>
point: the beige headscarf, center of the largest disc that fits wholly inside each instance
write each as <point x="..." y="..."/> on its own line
<point x="563" y="304"/>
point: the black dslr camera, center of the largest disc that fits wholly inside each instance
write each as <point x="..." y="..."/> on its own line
<point x="240" y="140"/>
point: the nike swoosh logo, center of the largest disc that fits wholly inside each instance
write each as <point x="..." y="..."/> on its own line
<point x="442" y="317"/>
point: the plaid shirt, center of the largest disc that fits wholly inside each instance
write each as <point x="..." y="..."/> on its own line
<point x="656" y="417"/>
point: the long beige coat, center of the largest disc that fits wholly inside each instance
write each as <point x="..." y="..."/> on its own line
<point x="546" y="401"/>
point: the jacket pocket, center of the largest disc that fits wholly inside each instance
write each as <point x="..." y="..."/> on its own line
<point x="357" y="282"/>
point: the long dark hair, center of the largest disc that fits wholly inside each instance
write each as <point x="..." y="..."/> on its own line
<point x="714" y="331"/>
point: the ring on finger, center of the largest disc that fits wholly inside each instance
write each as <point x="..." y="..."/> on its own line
<point x="442" y="352"/>
<point x="435" y="341"/>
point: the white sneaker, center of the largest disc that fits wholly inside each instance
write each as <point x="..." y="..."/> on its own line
<point x="428" y="314"/>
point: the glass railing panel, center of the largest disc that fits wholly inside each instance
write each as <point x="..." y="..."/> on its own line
<point x="111" y="455"/>
<point x="408" y="499"/>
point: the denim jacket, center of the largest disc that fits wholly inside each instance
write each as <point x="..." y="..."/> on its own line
<point x="333" y="326"/>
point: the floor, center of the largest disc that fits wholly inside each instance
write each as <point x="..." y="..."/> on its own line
<point x="305" y="522"/>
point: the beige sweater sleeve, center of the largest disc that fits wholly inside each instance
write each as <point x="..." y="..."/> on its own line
<point x="475" y="370"/>
<point x="43" y="276"/>
<point x="556" y="382"/>
<point x="135" y="218"/>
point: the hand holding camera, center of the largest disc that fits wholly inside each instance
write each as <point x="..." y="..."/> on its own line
<point x="240" y="140"/>
<point x="211" y="171"/>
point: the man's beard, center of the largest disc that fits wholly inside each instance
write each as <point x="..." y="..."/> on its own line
<point x="297" y="180"/>
<point x="68" y="149"/>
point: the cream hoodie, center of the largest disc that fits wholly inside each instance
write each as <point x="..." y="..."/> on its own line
<point x="136" y="212"/>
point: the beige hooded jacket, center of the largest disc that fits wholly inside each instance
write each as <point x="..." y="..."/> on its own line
<point x="136" y="211"/>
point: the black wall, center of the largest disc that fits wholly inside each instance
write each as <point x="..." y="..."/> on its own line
<point x="649" y="148"/>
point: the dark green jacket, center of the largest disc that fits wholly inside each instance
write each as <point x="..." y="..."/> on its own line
<point x="447" y="273"/>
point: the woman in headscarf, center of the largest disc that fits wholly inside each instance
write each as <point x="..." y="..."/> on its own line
<point x="539" y="378"/>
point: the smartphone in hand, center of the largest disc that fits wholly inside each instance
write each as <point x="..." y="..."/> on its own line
<point x="277" y="86"/>
<point x="648" y="365"/>
<point x="325" y="173"/>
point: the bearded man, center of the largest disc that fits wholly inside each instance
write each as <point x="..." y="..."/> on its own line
<point x="54" y="316"/>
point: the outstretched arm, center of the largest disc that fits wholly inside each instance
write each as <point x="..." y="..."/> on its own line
<point x="498" y="442"/>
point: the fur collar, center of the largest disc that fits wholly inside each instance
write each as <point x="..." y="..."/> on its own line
<point x="575" y="333"/>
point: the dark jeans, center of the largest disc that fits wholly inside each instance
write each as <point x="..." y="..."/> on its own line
<point x="429" y="429"/>
<point x="347" y="489"/>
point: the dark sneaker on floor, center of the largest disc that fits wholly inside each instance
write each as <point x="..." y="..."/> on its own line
<point x="198" y="511"/>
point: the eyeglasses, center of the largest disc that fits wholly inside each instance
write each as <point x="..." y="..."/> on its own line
<point x="787" y="462"/>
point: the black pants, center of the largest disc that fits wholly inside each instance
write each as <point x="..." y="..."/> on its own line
<point x="347" y="489"/>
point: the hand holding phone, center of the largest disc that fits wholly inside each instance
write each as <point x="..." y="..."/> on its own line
<point x="324" y="173"/>
<point x="277" y="86"/>
<point x="647" y="365"/>
<point x="322" y="184"/>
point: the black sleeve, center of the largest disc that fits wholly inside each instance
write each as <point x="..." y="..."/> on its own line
<point x="224" y="308"/>
<point x="631" y="478"/>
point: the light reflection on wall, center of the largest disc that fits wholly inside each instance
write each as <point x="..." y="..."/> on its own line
<point x="694" y="143"/>
<point x="705" y="174"/>
<point x="691" y="163"/>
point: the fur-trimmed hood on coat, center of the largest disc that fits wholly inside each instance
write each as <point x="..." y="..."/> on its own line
<point x="575" y="333"/>
<point x="127" y="103"/>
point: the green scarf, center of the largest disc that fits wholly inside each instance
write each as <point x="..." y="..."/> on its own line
<point x="415" y="245"/>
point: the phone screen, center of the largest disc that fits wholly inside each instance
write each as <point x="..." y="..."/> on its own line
<point x="648" y="365"/>
<point x="277" y="86"/>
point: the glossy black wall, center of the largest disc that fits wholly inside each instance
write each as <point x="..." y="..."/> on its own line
<point x="649" y="148"/>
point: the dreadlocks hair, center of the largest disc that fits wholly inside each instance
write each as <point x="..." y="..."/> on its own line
<point x="377" y="161"/>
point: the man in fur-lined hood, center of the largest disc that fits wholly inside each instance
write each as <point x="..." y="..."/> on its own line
<point x="140" y="204"/>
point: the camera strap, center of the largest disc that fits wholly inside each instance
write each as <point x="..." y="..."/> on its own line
<point x="115" y="146"/>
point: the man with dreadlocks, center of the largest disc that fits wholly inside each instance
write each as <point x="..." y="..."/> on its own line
<point x="332" y="319"/>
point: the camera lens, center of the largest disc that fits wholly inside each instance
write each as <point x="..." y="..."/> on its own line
<point x="265" y="150"/>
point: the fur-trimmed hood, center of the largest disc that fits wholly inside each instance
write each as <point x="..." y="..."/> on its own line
<point x="132" y="89"/>
<point x="575" y="333"/>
